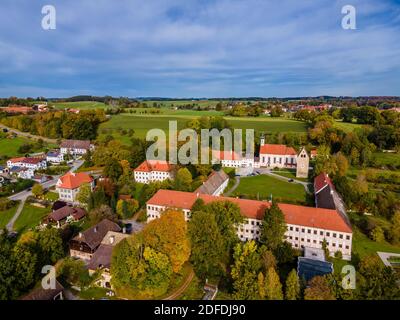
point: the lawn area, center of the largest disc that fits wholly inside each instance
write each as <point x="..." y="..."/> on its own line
<point x="142" y="123"/>
<point x="387" y="159"/>
<point x="83" y="105"/>
<point x="30" y="217"/>
<point x="364" y="246"/>
<point x="262" y="186"/>
<point x="346" y="126"/>
<point x="94" y="293"/>
<point x="290" y="174"/>
<point x="6" y="215"/>
<point x="9" y="146"/>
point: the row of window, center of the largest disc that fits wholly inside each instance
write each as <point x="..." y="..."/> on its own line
<point x="278" y="160"/>
<point x="333" y="244"/>
<point x="321" y="233"/>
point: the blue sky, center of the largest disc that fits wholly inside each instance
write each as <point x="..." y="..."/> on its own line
<point x="199" y="48"/>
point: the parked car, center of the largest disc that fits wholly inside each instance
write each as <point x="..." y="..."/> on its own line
<point x="290" y="180"/>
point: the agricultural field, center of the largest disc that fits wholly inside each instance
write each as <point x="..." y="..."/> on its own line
<point x="263" y="186"/>
<point x="30" y="217"/>
<point x="9" y="146"/>
<point x="83" y="105"/>
<point x="142" y="123"/>
<point x="346" y="126"/>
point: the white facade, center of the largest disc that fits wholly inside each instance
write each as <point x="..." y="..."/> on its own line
<point x="26" y="173"/>
<point x="55" y="157"/>
<point x="25" y="163"/>
<point x="221" y="188"/>
<point x="152" y="176"/>
<point x="298" y="236"/>
<point x="73" y="151"/>
<point x="277" y="161"/>
<point x="69" y="195"/>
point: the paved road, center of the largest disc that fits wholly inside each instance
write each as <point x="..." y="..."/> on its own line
<point x="23" y="195"/>
<point x="27" y="134"/>
<point x="229" y="192"/>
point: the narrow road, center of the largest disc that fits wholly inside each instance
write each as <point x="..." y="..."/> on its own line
<point x="27" y="134"/>
<point x="182" y="288"/>
<point x="230" y="191"/>
<point x="10" y="224"/>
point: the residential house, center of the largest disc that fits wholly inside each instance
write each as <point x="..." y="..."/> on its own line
<point x="306" y="226"/>
<point x="75" y="147"/>
<point x="101" y="259"/>
<point x="65" y="215"/>
<point x="153" y="170"/>
<point x="55" y="157"/>
<point x="28" y="162"/>
<point x="215" y="184"/>
<point x="68" y="185"/>
<point x="84" y="245"/>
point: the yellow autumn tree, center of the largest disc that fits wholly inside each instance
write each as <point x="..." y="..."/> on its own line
<point x="168" y="235"/>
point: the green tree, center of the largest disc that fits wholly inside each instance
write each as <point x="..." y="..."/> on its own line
<point x="395" y="228"/>
<point x="37" y="190"/>
<point x="183" y="180"/>
<point x="113" y="170"/>
<point x="245" y="270"/>
<point x="83" y="195"/>
<point x="50" y="246"/>
<point x="377" y="234"/>
<point x="273" y="286"/>
<point x="292" y="291"/>
<point x="100" y="213"/>
<point x="273" y="227"/>
<point x="207" y="245"/>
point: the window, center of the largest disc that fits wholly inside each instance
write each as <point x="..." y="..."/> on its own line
<point x="328" y="234"/>
<point x="296" y="238"/>
<point x="315" y="231"/>
<point x="321" y="233"/>
<point x="291" y="228"/>
<point x="308" y="240"/>
<point x="347" y="247"/>
<point x="309" y="230"/>
<point x="303" y="230"/>
<point x="297" y="229"/>
<point x="334" y="235"/>
<point x="347" y="237"/>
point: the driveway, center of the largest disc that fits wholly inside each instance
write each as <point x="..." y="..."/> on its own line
<point x="231" y="190"/>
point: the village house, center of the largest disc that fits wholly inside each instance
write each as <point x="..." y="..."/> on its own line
<point x="85" y="244"/>
<point x="306" y="226"/>
<point x="27" y="162"/>
<point x="277" y="156"/>
<point x="75" y="147"/>
<point x="101" y="259"/>
<point x="68" y="185"/>
<point x="55" y="157"/>
<point x="65" y="215"/>
<point x="215" y="184"/>
<point x="153" y="170"/>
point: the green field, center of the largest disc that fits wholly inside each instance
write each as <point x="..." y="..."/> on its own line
<point x="30" y="217"/>
<point x="9" y="146"/>
<point x="142" y="123"/>
<point x="346" y="126"/>
<point x="262" y="186"/>
<point x="387" y="159"/>
<point x="5" y="216"/>
<point x="84" y="105"/>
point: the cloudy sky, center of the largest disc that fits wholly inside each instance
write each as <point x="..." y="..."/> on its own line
<point x="199" y="48"/>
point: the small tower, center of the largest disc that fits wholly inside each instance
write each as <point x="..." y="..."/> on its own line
<point x="303" y="163"/>
<point x="262" y="140"/>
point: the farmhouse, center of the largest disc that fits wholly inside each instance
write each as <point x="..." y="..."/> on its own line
<point x="84" y="245"/>
<point x="65" y="215"/>
<point x="69" y="185"/>
<point x="101" y="259"/>
<point x="75" y="147"/>
<point x="215" y="184"/>
<point x="153" y="170"/>
<point x="306" y="226"/>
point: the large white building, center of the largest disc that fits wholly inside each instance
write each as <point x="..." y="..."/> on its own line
<point x="232" y="159"/>
<point x="277" y="156"/>
<point x="306" y="226"/>
<point x="153" y="170"/>
<point x="68" y="185"/>
<point x="27" y="162"/>
<point x="55" y="157"/>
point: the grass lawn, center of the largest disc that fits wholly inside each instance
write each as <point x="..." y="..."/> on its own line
<point x="387" y="159"/>
<point x="30" y="217"/>
<point x="94" y="293"/>
<point x="291" y="174"/>
<point x="6" y="215"/>
<point x="9" y="147"/>
<point x="142" y="123"/>
<point x="364" y="246"/>
<point x="263" y="186"/>
<point x="346" y="126"/>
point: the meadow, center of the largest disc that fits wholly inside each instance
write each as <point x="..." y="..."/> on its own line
<point x="9" y="146"/>
<point x="263" y="186"/>
<point x="83" y="105"/>
<point x="5" y="216"/>
<point x="30" y="217"/>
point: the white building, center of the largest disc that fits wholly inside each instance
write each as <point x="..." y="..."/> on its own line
<point x="75" y="147"/>
<point x="153" y="170"/>
<point x="232" y="159"/>
<point x="277" y="156"/>
<point x="27" y="162"/>
<point x="68" y="185"/>
<point x="25" y="173"/>
<point x="55" y="157"/>
<point x="306" y="226"/>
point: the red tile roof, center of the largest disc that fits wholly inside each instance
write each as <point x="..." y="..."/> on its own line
<point x="226" y="155"/>
<point x="254" y="209"/>
<point x="154" y="165"/>
<point x="278" y="149"/>
<point x="74" y="180"/>
<point x="26" y="160"/>
<point x="321" y="181"/>
<point x="13" y="160"/>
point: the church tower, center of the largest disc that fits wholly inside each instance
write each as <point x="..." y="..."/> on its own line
<point x="262" y="140"/>
<point x="303" y="162"/>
